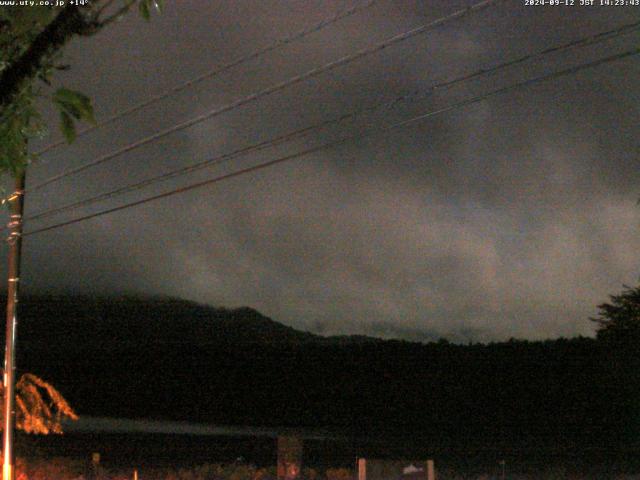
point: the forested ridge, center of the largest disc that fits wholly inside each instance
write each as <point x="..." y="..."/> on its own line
<point x="171" y="359"/>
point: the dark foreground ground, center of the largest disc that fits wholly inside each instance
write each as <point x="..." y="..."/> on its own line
<point x="125" y="452"/>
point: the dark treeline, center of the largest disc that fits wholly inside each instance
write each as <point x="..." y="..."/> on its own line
<point x="170" y="359"/>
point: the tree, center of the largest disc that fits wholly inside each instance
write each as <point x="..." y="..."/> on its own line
<point x="40" y="408"/>
<point x="619" y="320"/>
<point x="31" y="39"/>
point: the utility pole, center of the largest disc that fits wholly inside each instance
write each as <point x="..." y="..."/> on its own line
<point x="14" y="240"/>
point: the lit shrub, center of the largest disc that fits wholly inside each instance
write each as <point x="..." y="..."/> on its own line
<point x="339" y="474"/>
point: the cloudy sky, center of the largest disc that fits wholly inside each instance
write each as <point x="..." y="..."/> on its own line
<point x="512" y="217"/>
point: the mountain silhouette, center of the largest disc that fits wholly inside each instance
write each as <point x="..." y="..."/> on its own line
<point x="165" y="358"/>
<point x="65" y="321"/>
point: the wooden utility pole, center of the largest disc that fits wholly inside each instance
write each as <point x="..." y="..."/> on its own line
<point x="362" y="469"/>
<point x="431" y="470"/>
<point x="16" y="201"/>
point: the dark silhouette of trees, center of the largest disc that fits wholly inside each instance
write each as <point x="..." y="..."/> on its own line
<point x="619" y="320"/>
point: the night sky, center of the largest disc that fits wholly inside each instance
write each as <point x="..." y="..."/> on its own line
<point x="512" y="217"/>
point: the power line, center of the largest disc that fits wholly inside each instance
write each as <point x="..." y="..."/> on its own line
<point x="589" y="40"/>
<point x="272" y="89"/>
<point x="326" y="146"/>
<point x="582" y="42"/>
<point x="218" y="70"/>
<point x="217" y="160"/>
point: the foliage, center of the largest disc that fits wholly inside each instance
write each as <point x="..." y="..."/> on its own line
<point x="72" y="105"/>
<point x="67" y="469"/>
<point x="40" y="408"/>
<point x="339" y="474"/>
<point x="31" y="39"/>
<point x="52" y="468"/>
<point x="619" y="320"/>
<point x="20" y="119"/>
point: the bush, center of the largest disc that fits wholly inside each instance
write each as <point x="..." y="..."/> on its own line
<point x="339" y="474"/>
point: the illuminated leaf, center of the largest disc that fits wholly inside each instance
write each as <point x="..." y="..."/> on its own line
<point x="74" y="103"/>
<point x="143" y="6"/>
<point x="68" y="127"/>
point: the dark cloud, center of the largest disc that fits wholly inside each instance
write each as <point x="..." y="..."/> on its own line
<point x="513" y="217"/>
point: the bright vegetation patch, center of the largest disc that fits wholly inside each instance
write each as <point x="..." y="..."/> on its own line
<point x="70" y="469"/>
<point x="40" y="408"/>
<point x="67" y="469"/>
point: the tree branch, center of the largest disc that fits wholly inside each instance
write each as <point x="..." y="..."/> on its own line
<point x="68" y="22"/>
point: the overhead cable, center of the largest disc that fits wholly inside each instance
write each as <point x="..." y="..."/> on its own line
<point x="326" y="146"/>
<point x="217" y="71"/>
<point x="314" y="72"/>
<point x="219" y="159"/>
